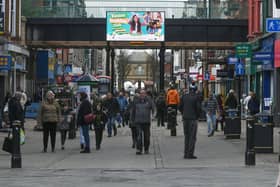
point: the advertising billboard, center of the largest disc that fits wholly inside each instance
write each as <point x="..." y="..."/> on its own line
<point x="135" y="26"/>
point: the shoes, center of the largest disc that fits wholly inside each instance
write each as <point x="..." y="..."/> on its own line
<point x="138" y="153"/>
<point x="190" y="157"/>
<point x="147" y="152"/>
<point x="85" y="151"/>
<point x="62" y="148"/>
<point x="133" y="146"/>
<point x="211" y="134"/>
<point x="44" y="150"/>
<point x="119" y="126"/>
<point x="98" y="147"/>
<point x="82" y="146"/>
<point x="115" y="133"/>
<point x="53" y="151"/>
<point x="109" y="136"/>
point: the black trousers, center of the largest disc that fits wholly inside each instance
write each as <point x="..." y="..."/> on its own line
<point x="49" y="128"/>
<point x="190" y="131"/>
<point x="63" y="134"/>
<point x="160" y="118"/>
<point x="134" y="135"/>
<point x="98" y="136"/>
<point x="143" y="132"/>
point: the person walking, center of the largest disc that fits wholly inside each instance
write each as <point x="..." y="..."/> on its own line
<point x="231" y="103"/>
<point x="16" y="112"/>
<point x="253" y="104"/>
<point x="112" y="108"/>
<point x="122" y="100"/>
<point x="132" y="125"/>
<point x="49" y="117"/>
<point x="85" y="108"/>
<point x="64" y="124"/>
<point x="190" y="108"/>
<point x="142" y="108"/>
<point x="99" y="124"/>
<point x="221" y="113"/>
<point x="172" y="101"/>
<point x="211" y="110"/>
<point x="161" y="107"/>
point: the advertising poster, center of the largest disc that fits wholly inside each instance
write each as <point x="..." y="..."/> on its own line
<point x="135" y="26"/>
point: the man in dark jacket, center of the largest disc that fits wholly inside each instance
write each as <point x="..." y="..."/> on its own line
<point x="84" y="109"/>
<point x="112" y="108"/>
<point x="190" y="108"/>
<point x="141" y="115"/>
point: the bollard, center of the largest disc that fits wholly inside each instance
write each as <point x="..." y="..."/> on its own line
<point x="16" y="154"/>
<point x="250" y="154"/>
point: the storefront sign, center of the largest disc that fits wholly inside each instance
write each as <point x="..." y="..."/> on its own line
<point x="233" y="60"/>
<point x="222" y="73"/>
<point x="5" y="62"/>
<point x="261" y="56"/>
<point x="243" y="50"/>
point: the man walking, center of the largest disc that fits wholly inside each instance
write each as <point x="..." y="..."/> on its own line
<point x="141" y="116"/>
<point x="211" y="114"/>
<point x="190" y="108"/>
<point x="112" y="108"/>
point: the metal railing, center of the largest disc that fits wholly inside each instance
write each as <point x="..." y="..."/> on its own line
<point x="191" y="11"/>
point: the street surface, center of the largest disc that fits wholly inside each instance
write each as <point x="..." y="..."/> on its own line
<point x="220" y="163"/>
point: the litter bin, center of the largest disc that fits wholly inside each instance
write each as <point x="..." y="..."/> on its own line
<point x="232" y="129"/>
<point x="263" y="133"/>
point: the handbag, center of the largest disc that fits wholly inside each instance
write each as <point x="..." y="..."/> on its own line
<point x="88" y="118"/>
<point x="8" y="144"/>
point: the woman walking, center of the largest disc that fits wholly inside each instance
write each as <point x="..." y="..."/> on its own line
<point x="221" y="112"/>
<point x="99" y="124"/>
<point x="84" y="109"/>
<point x="64" y="125"/>
<point x="49" y="117"/>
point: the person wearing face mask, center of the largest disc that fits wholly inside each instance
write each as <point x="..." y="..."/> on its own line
<point x="49" y="118"/>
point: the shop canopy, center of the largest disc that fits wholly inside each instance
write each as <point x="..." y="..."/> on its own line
<point x="87" y="79"/>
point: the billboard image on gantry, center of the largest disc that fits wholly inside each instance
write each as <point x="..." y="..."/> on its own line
<point x="135" y="26"/>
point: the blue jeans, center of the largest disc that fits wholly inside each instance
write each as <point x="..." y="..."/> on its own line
<point x="111" y="125"/>
<point x="82" y="138"/>
<point x="85" y="129"/>
<point x="211" y="122"/>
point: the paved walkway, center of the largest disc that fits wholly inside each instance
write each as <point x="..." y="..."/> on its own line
<point x="220" y="163"/>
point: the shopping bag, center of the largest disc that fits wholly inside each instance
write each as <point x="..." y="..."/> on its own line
<point x="22" y="137"/>
<point x="88" y="118"/>
<point x="8" y="144"/>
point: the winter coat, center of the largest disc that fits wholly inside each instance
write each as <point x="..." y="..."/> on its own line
<point x="49" y="112"/>
<point x="211" y="105"/>
<point x="190" y="106"/>
<point x="100" y="119"/>
<point x="172" y="97"/>
<point x="112" y="107"/>
<point x="254" y="106"/>
<point x="160" y="103"/>
<point x="141" y="110"/>
<point x="231" y="102"/>
<point x="122" y="103"/>
<point x="84" y="109"/>
<point x="15" y="110"/>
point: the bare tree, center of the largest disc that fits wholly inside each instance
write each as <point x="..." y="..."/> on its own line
<point x="123" y="68"/>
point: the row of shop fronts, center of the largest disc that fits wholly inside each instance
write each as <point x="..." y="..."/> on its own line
<point x="13" y="68"/>
<point x="262" y="71"/>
